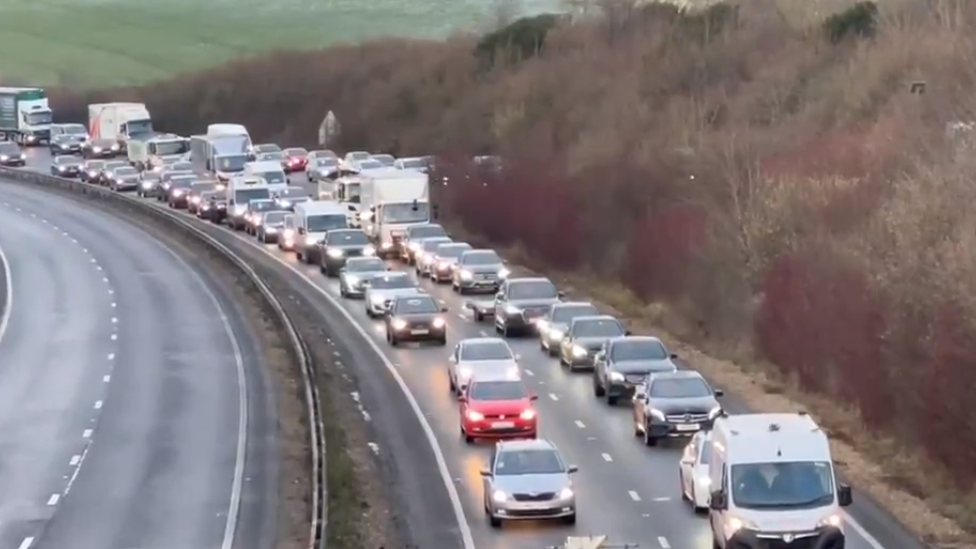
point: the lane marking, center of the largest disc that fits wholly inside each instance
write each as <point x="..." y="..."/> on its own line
<point x="553" y="396"/>
<point x="114" y="320"/>
<point x="606" y="457"/>
<point x="114" y="304"/>
<point x="115" y="336"/>
<point x="53" y="500"/>
<point x="9" y="290"/>
<point x="98" y="404"/>
<point x="633" y="495"/>
<point x="26" y="543"/>
<point x="87" y="433"/>
<point x="664" y="542"/>
<point x="529" y="373"/>
<point x="74" y="460"/>
<point x="580" y="424"/>
<point x="106" y="378"/>
<point x="111" y="356"/>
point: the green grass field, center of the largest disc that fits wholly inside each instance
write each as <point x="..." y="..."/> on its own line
<point x="107" y="42"/>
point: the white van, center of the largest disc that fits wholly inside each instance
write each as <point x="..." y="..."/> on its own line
<point x="773" y="482"/>
<point x="241" y="190"/>
<point x="269" y="170"/>
<point x="312" y="220"/>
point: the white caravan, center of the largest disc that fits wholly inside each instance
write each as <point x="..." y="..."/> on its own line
<point x="312" y="220"/>
<point x="119" y="121"/>
<point x="241" y="191"/>
<point x="392" y="200"/>
<point x="772" y="480"/>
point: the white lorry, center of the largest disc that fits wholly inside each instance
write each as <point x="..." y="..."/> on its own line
<point x="232" y="130"/>
<point x="312" y="220"/>
<point x="119" y="121"/>
<point x="151" y="154"/>
<point x="772" y="481"/>
<point x="25" y="116"/>
<point x="390" y="201"/>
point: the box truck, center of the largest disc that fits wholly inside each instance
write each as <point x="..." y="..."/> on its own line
<point x="119" y="121"/>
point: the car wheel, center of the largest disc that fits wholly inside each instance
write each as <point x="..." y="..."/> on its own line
<point x="611" y="400"/>
<point x="570" y="520"/>
<point x="323" y="270"/>
<point x="442" y="341"/>
<point x="342" y="291"/>
<point x="496" y="522"/>
<point x="648" y="439"/>
<point x="598" y="390"/>
<point x="394" y="341"/>
<point x="298" y="255"/>
<point x="478" y="316"/>
<point x="552" y="352"/>
<point x="450" y="380"/>
<point x="462" y="290"/>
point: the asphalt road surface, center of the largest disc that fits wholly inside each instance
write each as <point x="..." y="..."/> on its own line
<point x="625" y="490"/>
<point x="125" y="377"/>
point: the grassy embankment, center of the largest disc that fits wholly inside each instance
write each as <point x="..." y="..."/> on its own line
<point x="756" y="182"/>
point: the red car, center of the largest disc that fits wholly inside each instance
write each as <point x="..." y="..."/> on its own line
<point x="294" y="160"/>
<point x="497" y="409"/>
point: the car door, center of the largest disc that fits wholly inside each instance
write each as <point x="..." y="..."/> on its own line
<point x="566" y="345"/>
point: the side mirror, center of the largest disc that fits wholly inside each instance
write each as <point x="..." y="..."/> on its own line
<point x="443" y="309"/>
<point x="485" y="473"/>
<point x="462" y="398"/>
<point x="561" y="294"/>
<point x="719" y="392"/>
<point x="844" y="495"/>
<point x="674" y="356"/>
<point x="718" y="502"/>
<point x="533" y="397"/>
<point x="628" y="333"/>
<point x="572" y="469"/>
<point x="518" y="357"/>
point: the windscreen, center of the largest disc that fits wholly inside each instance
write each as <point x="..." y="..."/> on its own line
<point x="267" y="148"/>
<point x="481" y="258"/>
<point x="125" y="171"/>
<point x="385" y="159"/>
<point x="534" y="289"/>
<point x="348" y="238"/>
<point x="138" y="127"/>
<point x="406" y="212"/>
<point x="200" y="188"/>
<point x="679" y="388"/>
<point x="293" y="192"/>
<point x="75" y="129"/>
<point x="276" y="177"/>
<point x="497" y="390"/>
<point x="232" y="163"/>
<point x="431" y="245"/>
<point x="413" y="164"/>
<point x="706" y="452"/>
<point x="39" y="118"/>
<point x="789" y="485"/>
<point x="326" y="162"/>
<point x="416" y="306"/>
<point x="261" y="205"/>
<point x="394" y="282"/>
<point x="528" y="462"/>
<point x="597" y="328"/>
<point x="166" y="148"/>
<point x="425" y="231"/>
<point x="9" y="148"/>
<point x="567" y="313"/>
<point x="371" y="265"/>
<point x="450" y="251"/>
<point x="274" y="217"/>
<point x="246" y="195"/>
<point x="326" y="222"/>
<point x="494" y="350"/>
<point x="638" y="350"/>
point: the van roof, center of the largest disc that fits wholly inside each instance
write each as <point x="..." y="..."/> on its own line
<point x="770" y="438"/>
<point x="264" y="165"/>
<point x="316" y="207"/>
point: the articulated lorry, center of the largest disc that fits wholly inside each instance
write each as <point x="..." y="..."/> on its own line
<point x="120" y="121"/>
<point x="390" y="200"/>
<point x="25" y="116"/>
<point x="154" y="152"/>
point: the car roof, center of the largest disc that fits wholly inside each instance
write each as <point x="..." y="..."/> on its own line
<point x="594" y="318"/>
<point x="573" y="304"/>
<point x="364" y="259"/>
<point x="620" y="339"/>
<point x="480" y="251"/>
<point x="520" y="445"/>
<point x="456" y="244"/>
<point x="530" y="279"/>
<point x="680" y="374"/>
<point x="482" y="340"/>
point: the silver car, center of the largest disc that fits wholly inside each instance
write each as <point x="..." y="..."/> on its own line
<point x="553" y="326"/>
<point x="584" y="339"/>
<point x="444" y="260"/>
<point x="356" y="274"/>
<point x="387" y="160"/>
<point x="319" y="168"/>
<point x="528" y="480"/>
<point x="382" y="289"/>
<point x="477" y="357"/>
<point x="125" y="178"/>
<point x="425" y="252"/>
<point x="479" y="271"/>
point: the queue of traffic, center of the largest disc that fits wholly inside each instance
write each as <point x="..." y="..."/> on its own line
<point x="368" y="224"/>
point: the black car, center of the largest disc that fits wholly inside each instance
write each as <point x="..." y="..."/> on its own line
<point x="338" y="246"/>
<point x="66" y="166"/>
<point x="161" y="190"/>
<point x="196" y="194"/>
<point x="66" y="144"/>
<point x="101" y="148"/>
<point x="92" y="171"/>
<point x="213" y="206"/>
<point x="179" y="191"/>
<point x="255" y="209"/>
<point x="521" y="302"/>
<point x="271" y="225"/>
<point x="585" y="338"/>
<point x="106" y="169"/>
<point x="149" y="180"/>
<point x="676" y="404"/>
<point x="11" y="155"/>
<point x="408" y="252"/>
<point x="625" y="362"/>
<point x="416" y="318"/>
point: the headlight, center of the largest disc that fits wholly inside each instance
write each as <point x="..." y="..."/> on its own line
<point x="352" y="280"/>
<point x="565" y="493"/>
<point x="714" y="412"/>
<point x="271" y="230"/>
<point x="115" y="147"/>
<point x="656" y="413"/>
<point x="334" y="252"/>
<point x="369" y="250"/>
<point x="256" y="220"/>
<point x="498" y="496"/>
<point x="543" y="325"/>
<point x="464" y="372"/>
<point x="96" y="149"/>
<point x="832" y="520"/>
<point x="61" y="168"/>
<point x="157" y="169"/>
<point x="145" y="184"/>
<point x="475" y="416"/>
<point x="527" y="414"/>
<point x="466" y="275"/>
<point x="239" y="208"/>
<point x="376" y="300"/>
<point x="195" y="199"/>
<point x="4" y="157"/>
<point x="92" y="173"/>
<point x="288" y="233"/>
<point x="616" y="376"/>
<point x="178" y="192"/>
<point x="386" y="245"/>
<point x="443" y="265"/>
<point x="503" y="272"/>
<point x="438" y="322"/>
<point x="399" y="324"/>
<point x="736" y="524"/>
<point x="579" y="352"/>
<point x="513" y="310"/>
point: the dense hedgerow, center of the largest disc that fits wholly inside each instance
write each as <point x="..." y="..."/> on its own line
<point x="765" y="175"/>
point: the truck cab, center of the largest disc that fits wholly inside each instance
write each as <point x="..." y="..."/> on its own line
<point x="25" y="116"/>
<point x="773" y="482"/>
<point x="119" y="121"/>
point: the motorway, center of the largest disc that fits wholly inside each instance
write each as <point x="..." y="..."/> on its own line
<point x="131" y="396"/>
<point x="626" y="490"/>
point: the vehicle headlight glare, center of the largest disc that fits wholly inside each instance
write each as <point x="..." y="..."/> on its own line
<point x="565" y="493"/>
<point x="616" y="376"/>
<point x="475" y="416"/>
<point x="386" y="245"/>
<point x="657" y="413"/>
<point x="465" y="372"/>
<point x="4" y="157"/>
<point x="399" y="324"/>
<point x="376" y="300"/>
<point x="832" y="520"/>
<point x="579" y="352"/>
<point x="556" y="334"/>
<point x="503" y="272"/>
<point x="704" y="481"/>
<point x="466" y="275"/>
<point x="414" y="246"/>
<point x="527" y="414"/>
<point x="714" y="412"/>
<point x="333" y="252"/>
<point x="498" y="496"/>
<point x="513" y="310"/>
<point x="736" y="524"/>
<point x="438" y="322"/>
<point x="369" y="250"/>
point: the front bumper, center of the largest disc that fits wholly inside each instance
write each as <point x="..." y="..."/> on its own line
<point x="528" y="510"/>
<point x="178" y="201"/>
<point x="824" y="538"/>
<point x="271" y="237"/>
<point x="67" y="173"/>
<point x="499" y="428"/>
<point x="438" y="272"/>
<point x="357" y="289"/>
<point x="14" y="162"/>
<point x="664" y="429"/>
<point x="127" y="185"/>
<point x="420" y="334"/>
<point x="581" y="361"/>
<point x="487" y="285"/>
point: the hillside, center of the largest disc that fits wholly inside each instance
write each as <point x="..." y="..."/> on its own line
<point x="769" y="184"/>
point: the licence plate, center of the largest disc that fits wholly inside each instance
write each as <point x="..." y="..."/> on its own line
<point x="419" y="332"/>
<point x="688" y="427"/>
<point x="502" y="425"/>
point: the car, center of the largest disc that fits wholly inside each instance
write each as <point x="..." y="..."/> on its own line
<point x="442" y="263"/>
<point x="270" y="156"/>
<point x="66" y="166"/>
<point x="416" y="318"/>
<point x="388" y="160"/>
<point x="425" y="253"/>
<point x="263" y="148"/>
<point x="383" y="289"/>
<point x="357" y="273"/>
<point x="478" y="271"/>
<point x="356" y="156"/>
<point x="286" y="240"/>
<point x="179" y="191"/>
<point x="528" y="480"/>
<point x="339" y="245"/>
<point x="479" y="358"/>
<point x="166" y="177"/>
<point x="552" y="327"/>
<point x="287" y="198"/>
<point x="91" y="170"/>
<point x="124" y="178"/>
<point x="417" y="163"/>
<point x="693" y="471"/>
<point x="105" y="172"/>
<point x="196" y="194"/>
<point x="585" y="338"/>
<point x="253" y="212"/>
<point x="166" y="163"/>
<point x="270" y="226"/>
<point x="624" y="362"/>
<point x="496" y="407"/>
<point x="66" y="144"/>
<point x="319" y="168"/>
<point x="149" y="180"/>
<point x="11" y="155"/>
<point x="520" y="302"/>
<point x="101" y="148"/>
<point x="368" y="164"/>
<point x="213" y="206"/>
<point x="412" y="237"/>
<point x="295" y="159"/>
<point x="674" y="404"/>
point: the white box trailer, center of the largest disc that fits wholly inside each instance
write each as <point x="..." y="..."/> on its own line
<point x="153" y="153"/>
<point x="119" y="121"/>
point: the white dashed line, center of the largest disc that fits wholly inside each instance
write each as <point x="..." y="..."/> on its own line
<point x="27" y="541"/>
<point x="580" y="424"/>
<point x="111" y="356"/>
<point x="105" y="280"/>
<point x="87" y="433"/>
<point x="115" y="336"/>
<point x="98" y="404"/>
<point x="114" y="320"/>
<point x="74" y="460"/>
<point x="93" y="260"/>
<point x="462" y="317"/>
<point x="662" y="499"/>
<point x="553" y="396"/>
<point x="53" y="500"/>
<point x="114" y="304"/>
<point x="85" y="250"/>
<point x="99" y="267"/>
<point x="664" y="542"/>
<point x="106" y="378"/>
<point x="529" y="373"/>
<point x="634" y="496"/>
<point x="606" y="457"/>
<point x="111" y="292"/>
<point x="483" y="333"/>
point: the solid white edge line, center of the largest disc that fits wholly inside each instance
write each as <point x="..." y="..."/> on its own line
<point x="26" y="543"/>
<point x="9" y="289"/>
<point x="237" y="487"/>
